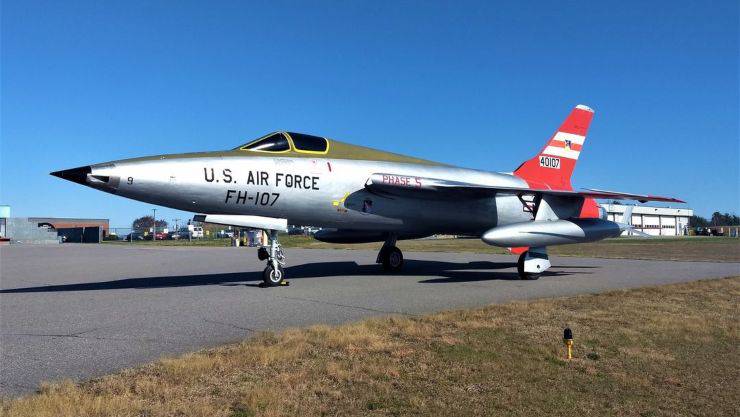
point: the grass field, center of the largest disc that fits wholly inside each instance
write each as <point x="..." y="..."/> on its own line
<point x="719" y="249"/>
<point x="688" y="249"/>
<point x="662" y="351"/>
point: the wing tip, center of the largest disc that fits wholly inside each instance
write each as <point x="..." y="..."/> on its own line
<point x="667" y="199"/>
<point x="585" y="107"/>
<point x="616" y="195"/>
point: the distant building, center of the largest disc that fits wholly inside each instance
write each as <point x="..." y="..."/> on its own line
<point x="75" y="230"/>
<point x="72" y="223"/>
<point x="50" y="229"/>
<point x="4" y="216"/>
<point x="657" y="221"/>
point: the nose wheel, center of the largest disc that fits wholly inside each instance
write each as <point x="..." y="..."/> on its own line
<point x="272" y="277"/>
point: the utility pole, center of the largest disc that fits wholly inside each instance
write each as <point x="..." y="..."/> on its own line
<point x="154" y="225"/>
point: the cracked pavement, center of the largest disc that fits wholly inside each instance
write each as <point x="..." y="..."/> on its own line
<point x="81" y="311"/>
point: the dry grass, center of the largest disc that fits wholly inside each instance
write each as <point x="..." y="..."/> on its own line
<point x="670" y="350"/>
<point x="721" y="249"/>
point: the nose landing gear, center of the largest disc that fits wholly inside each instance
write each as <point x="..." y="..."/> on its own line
<point x="274" y="273"/>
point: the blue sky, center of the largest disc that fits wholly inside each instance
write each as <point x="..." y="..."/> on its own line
<point x="477" y="84"/>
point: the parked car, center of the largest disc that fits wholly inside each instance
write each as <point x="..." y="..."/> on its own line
<point x="161" y="236"/>
<point x="184" y="233"/>
<point x="295" y="230"/>
<point x="225" y="233"/>
<point x="302" y="230"/>
<point x="134" y="236"/>
<point x="197" y="232"/>
<point x="703" y="231"/>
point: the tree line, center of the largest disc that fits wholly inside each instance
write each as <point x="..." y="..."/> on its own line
<point x="145" y="223"/>
<point x="718" y="219"/>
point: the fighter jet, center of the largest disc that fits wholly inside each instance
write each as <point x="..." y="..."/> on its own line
<point x="357" y="194"/>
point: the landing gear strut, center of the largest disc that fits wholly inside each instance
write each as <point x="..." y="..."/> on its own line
<point x="390" y="256"/>
<point x="532" y="263"/>
<point x="274" y="273"/>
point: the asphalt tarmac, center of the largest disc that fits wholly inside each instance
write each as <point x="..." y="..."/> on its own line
<point x="80" y="311"/>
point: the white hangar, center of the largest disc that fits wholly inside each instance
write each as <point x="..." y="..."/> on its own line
<point x="657" y="221"/>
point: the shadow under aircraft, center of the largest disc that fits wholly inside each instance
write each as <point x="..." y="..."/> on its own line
<point x="432" y="271"/>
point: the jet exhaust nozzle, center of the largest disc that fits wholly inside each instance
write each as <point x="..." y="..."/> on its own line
<point x="549" y="233"/>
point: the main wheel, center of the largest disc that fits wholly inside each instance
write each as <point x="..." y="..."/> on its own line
<point x="392" y="259"/>
<point x="520" y="268"/>
<point x="271" y="276"/>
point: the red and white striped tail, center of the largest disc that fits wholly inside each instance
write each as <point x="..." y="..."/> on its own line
<point x="553" y="166"/>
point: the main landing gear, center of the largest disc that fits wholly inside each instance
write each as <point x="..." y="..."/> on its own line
<point x="274" y="273"/>
<point x="532" y="263"/>
<point x="390" y="256"/>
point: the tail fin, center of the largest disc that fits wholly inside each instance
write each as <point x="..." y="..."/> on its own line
<point x="553" y="166"/>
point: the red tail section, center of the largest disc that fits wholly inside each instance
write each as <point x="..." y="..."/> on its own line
<point x="553" y="166"/>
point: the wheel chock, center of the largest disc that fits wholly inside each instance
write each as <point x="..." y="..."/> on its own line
<point x="282" y="284"/>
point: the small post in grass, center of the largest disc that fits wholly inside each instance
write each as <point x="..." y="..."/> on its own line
<point x="568" y="340"/>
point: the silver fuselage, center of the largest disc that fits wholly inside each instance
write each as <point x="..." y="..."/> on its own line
<point x="322" y="192"/>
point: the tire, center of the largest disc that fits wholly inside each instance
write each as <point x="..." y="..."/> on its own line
<point x="520" y="269"/>
<point x="262" y="254"/>
<point x="392" y="259"/>
<point x="273" y="277"/>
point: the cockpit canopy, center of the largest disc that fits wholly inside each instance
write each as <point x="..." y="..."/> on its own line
<point x="280" y="142"/>
<point x="300" y="145"/>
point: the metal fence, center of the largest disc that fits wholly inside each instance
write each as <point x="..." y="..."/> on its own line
<point x="118" y="233"/>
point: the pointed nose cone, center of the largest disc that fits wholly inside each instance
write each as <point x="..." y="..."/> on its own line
<point x="78" y="175"/>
